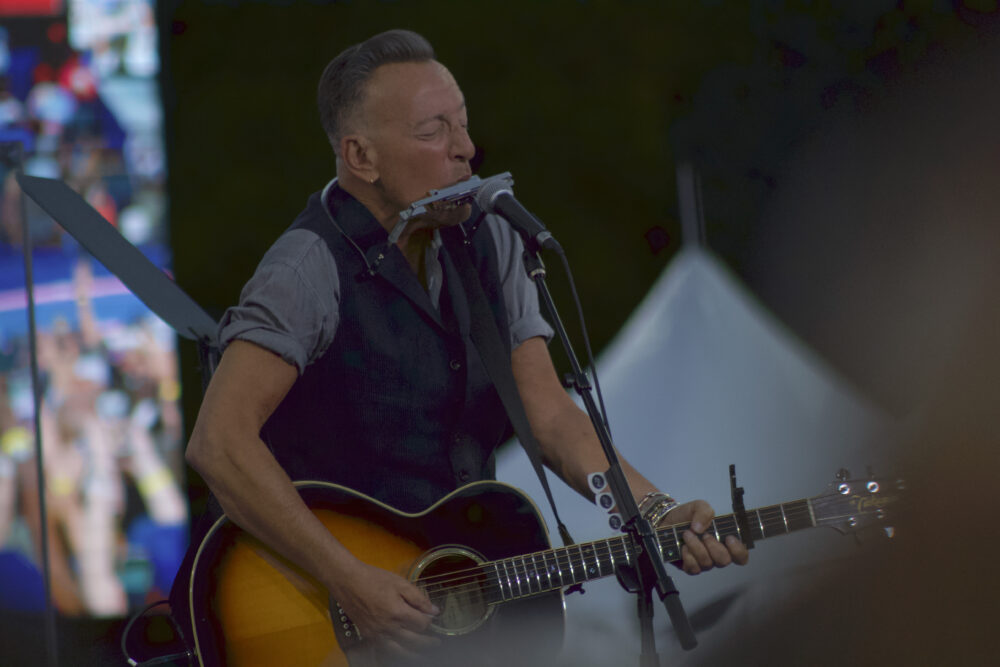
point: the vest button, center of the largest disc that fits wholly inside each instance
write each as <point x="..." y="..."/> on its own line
<point x="463" y="476"/>
<point x="455" y="364"/>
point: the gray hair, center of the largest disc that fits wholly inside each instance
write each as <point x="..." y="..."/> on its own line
<point x="342" y="85"/>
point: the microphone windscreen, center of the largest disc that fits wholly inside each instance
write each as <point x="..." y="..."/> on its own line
<point x="490" y="188"/>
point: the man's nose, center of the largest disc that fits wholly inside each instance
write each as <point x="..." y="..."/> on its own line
<point x="462" y="146"/>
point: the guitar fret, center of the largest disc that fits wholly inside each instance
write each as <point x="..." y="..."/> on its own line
<point x="538" y="577"/>
<point x="508" y="567"/>
<point x="510" y="587"/>
<point x="592" y="571"/>
<point x="812" y="516"/>
<point x="496" y="569"/>
<point x="521" y="581"/>
<point x="730" y="526"/>
<point x="676" y="550"/>
<point x="715" y="529"/>
<point x="720" y="527"/>
<point x="800" y="515"/>
<point x="772" y="522"/>
<point x="784" y="517"/>
<point x="611" y="556"/>
<point x="548" y="570"/>
<point x="760" y="521"/>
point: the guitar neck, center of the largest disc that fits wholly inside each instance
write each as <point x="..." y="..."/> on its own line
<point x="535" y="573"/>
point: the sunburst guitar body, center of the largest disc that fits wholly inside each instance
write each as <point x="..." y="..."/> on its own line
<point x="253" y="608"/>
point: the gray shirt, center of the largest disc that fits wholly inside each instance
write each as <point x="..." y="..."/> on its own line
<point x="289" y="306"/>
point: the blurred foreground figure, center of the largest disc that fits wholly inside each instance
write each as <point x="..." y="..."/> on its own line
<point x="888" y="232"/>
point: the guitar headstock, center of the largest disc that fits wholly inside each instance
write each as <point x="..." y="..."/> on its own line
<point x="852" y="504"/>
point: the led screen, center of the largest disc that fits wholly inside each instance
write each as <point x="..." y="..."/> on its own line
<point x="79" y="101"/>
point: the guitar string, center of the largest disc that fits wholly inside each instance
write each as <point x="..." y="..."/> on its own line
<point x="725" y="525"/>
<point x="537" y="580"/>
<point x="600" y="552"/>
<point x="533" y="581"/>
<point x="603" y="554"/>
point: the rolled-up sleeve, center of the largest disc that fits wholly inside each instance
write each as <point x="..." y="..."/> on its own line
<point x="290" y="305"/>
<point x="519" y="292"/>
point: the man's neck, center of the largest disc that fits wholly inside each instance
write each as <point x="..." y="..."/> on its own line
<point x="416" y="237"/>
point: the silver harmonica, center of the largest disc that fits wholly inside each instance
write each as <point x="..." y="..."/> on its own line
<point x="460" y="193"/>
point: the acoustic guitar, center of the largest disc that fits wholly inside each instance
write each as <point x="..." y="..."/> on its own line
<point x="482" y="555"/>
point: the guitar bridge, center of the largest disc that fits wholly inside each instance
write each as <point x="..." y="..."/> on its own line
<point x="348" y="635"/>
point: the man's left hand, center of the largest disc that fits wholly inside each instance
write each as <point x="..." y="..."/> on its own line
<point x="700" y="550"/>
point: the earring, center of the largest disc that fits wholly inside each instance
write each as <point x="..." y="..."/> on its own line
<point x="373" y="179"/>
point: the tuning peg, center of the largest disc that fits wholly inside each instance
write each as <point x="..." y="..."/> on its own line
<point x="843" y="474"/>
<point x="890" y="532"/>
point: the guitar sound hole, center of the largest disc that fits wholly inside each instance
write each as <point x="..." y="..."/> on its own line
<point x="457" y="585"/>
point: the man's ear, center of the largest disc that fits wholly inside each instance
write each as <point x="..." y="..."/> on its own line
<point x="360" y="157"/>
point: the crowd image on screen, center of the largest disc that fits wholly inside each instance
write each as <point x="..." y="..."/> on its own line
<point x="79" y="102"/>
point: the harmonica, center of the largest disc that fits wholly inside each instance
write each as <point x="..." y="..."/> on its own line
<point x="453" y="195"/>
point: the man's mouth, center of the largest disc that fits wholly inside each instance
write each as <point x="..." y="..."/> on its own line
<point x="454" y="204"/>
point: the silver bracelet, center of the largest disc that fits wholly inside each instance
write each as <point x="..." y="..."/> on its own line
<point x="651" y="499"/>
<point x="656" y="513"/>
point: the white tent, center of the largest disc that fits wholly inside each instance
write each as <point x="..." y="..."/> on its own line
<point x="702" y="376"/>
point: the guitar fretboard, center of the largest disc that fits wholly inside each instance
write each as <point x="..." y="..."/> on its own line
<point x="531" y="574"/>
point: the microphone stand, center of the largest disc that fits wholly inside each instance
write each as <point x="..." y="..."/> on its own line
<point x="649" y="572"/>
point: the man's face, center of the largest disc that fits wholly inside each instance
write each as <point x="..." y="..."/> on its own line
<point x="418" y="127"/>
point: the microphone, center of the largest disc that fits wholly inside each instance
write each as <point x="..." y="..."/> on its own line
<point x="496" y="196"/>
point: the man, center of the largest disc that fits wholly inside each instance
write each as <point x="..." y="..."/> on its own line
<point x="372" y="382"/>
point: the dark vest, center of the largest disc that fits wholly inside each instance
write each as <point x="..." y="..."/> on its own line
<point x="399" y="407"/>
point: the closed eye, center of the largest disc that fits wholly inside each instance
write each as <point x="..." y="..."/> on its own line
<point x="432" y="132"/>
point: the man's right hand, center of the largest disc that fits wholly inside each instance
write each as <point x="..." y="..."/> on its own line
<point x="386" y="608"/>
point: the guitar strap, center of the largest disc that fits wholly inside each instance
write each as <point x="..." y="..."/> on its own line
<point x="486" y="337"/>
